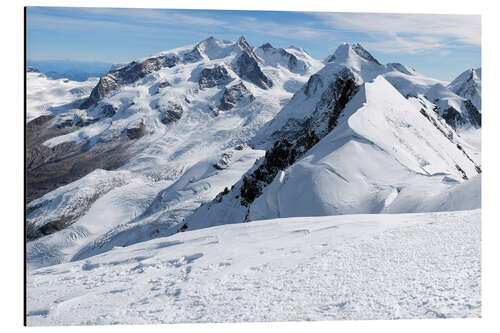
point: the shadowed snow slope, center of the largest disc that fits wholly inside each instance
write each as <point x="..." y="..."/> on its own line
<point x="312" y="268"/>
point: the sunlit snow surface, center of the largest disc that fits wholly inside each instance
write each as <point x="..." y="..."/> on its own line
<point x="124" y="261"/>
<point x="46" y="96"/>
<point x="322" y="268"/>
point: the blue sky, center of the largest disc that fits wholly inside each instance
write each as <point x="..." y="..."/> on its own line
<point x="441" y="46"/>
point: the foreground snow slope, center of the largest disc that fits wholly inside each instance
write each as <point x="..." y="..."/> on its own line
<point x="323" y="268"/>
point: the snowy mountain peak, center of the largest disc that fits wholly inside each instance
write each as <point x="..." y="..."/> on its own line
<point x="243" y="44"/>
<point x="356" y="58"/>
<point x="213" y="48"/>
<point x="363" y="53"/>
<point x="475" y="74"/>
<point x="346" y="53"/>
<point x="295" y="60"/>
<point x="468" y="85"/>
<point x="343" y="52"/>
<point x="401" y="68"/>
<point x="266" y="46"/>
<point x="297" y="48"/>
<point x="458" y="111"/>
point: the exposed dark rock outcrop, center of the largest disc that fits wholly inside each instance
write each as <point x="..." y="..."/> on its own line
<point x="340" y="92"/>
<point x="193" y="56"/>
<point x="108" y="110"/>
<point x="211" y="77"/>
<point x="125" y="75"/>
<point x="137" y="131"/>
<point x="283" y="154"/>
<point x="224" y="161"/>
<point x="234" y="94"/>
<point x="246" y="48"/>
<point x="474" y="114"/>
<point x="172" y="114"/>
<point x="453" y="117"/>
<point x="247" y="68"/>
<point x="464" y="175"/>
<point x="360" y="50"/>
<point x="287" y="151"/>
<point x="456" y="119"/>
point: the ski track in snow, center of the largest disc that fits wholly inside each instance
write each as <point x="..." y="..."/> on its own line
<point x="312" y="268"/>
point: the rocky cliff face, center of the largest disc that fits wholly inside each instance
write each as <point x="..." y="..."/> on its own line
<point x="247" y="68"/>
<point x="211" y="77"/>
<point x="363" y="53"/>
<point x="233" y="95"/>
<point x="126" y="75"/>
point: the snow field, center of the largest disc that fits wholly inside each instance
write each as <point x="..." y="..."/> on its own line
<point x="333" y="267"/>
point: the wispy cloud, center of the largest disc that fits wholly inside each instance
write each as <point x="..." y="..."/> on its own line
<point x="153" y="21"/>
<point x="408" y="33"/>
<point x="154" y="16"/>
<point x="116" y="18"/>
<point x="276" y="29"/>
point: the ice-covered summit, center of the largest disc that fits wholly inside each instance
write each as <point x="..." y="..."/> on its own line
<point x="468" y="85"/>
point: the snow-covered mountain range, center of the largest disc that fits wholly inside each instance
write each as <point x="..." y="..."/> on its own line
<point x="223" y="132"/>
<point x="220" y="133"/>
<point x="359" y="179"/>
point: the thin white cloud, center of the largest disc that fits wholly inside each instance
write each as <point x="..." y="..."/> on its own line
<point x="124" y="17"/>
<point x="64" y="23"/>
<point x="133" y="20"/>
<point x="408" y="33"/>
<point x="399" y="45"/>
<point x="277" y="30"/>
<point x="162" y="16"/>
